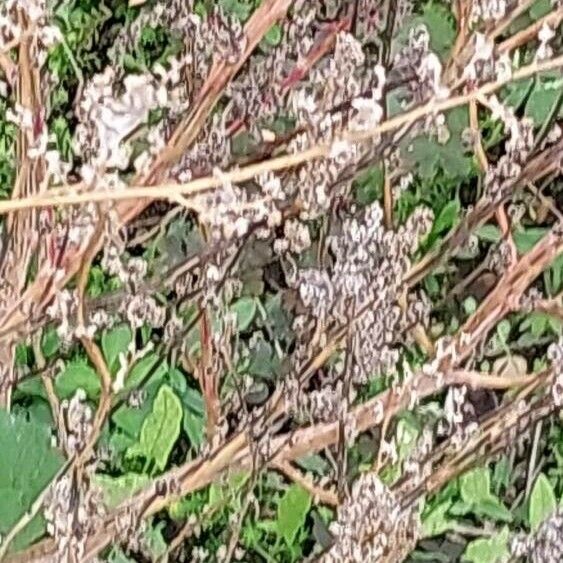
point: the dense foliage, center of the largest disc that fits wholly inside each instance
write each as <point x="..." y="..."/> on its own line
<point x="281" y="280"/>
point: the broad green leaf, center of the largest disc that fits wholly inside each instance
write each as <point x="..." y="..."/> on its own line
<point x="117" y="556"/>
<point x="440" y="23"/>
<point x="50" y="342"/>
<point x="461" y="508"/>
<point x="263" y="361"/>
<point x="314" y="463"/>
<point x="28" y="462"/>
<point x="475" y="485"/>
<point x="369" y="185"/>
<point x="118" y="489"/>
<point x="542" y="101"/>
<point x="292" y="511"/>
<point x="241" y="9"/>
<point x="542" y="501"/>
<point x="160" y="429"/>
<point x="470" y="305"/>
<point x="147" y="369"/>
<point x="503" y="331"/>
<point x="540" y="95"/>
<point x="78" y="375"/>
<point x="194" y="408"/>
<point x="154" y="540"/>
<point x="489" y="233"/>
<point x="114" y="342"/>
<point x="427" y="155"/>
<point x="436" y="521"/>
<point x="245" y="310"/>
<point x="501" y="474"/>
<point x="491" y="507"/>
<point x="194" y="425"/>
<point x="407" y="433"/>
<point x="489" y="550"/>
<point x="274" y="35"/>
<point x="448" y="217"/>
<point x="152" y="373"/>
<point x="540" y="8"/>
<point x="526" y="239"/>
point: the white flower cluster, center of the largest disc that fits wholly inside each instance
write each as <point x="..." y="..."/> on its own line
<point x="370" y="264"/>
<point x="78" y="418"/>
<point x="489" y="10"/>
<point x="37" y="21"/>
<point x="543" y="546"/>
<point x="107" y="120"/>
<point x="423" y="67"/>
<point x="555" y="356"/>
<point x="499" y="178"/>
<point x="73" y="511"/>
<point x="371" y="525"/>
<point x="458" y="412"/>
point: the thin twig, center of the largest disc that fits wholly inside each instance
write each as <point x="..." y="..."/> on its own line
<point x="515" y="13"/>
<point x="553" y="19"/>
<point x="319" y="494"/>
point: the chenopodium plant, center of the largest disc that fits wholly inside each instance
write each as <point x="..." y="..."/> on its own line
<point x="265" y="319"/>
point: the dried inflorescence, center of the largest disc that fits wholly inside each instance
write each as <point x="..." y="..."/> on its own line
<point x="372" y="526"/>
<point x="499" y="178"/>
<point x="490" y="10"/>
<point x="555" y="356"/>
<point x="363" y="287"/>
<point x="74" y="509"/>
<point x="342" y="268"/>
<point x="544" y="545"/>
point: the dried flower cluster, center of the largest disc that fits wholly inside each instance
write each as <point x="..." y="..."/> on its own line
<point x="371" y="525"/>
<point x="325" y="289"/>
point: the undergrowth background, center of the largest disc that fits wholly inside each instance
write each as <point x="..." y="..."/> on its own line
<point x="206" y="386"/>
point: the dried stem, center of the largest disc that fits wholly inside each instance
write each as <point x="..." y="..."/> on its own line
<point x="319" y="494"/>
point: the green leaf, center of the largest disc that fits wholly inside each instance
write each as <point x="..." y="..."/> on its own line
<point x="526" y="239"/>
<point x="28" y="463"/>
<point x="543" y="99"/>
<point x="274" y="35"/>
<point x="475" y="485"/>
<point x="292" y="511"/>
<point x="118" y="489"/>
<point x="489" y="233"/>
<point x="428" y="156"/>
<point x="117" y="556"/>
<point x="503" y="331"/>
<point x="491" y="507"/>
<point x="245" y="310"/>
<point x="115" y="342"/>
<point x="446" y="219"/>
<point x="436" y="521"/>
<point x="542" y="501"/>
<point x="369" y="185"/>
<point x="153" y="373"/>
<point x="77" y="375"/>
<point x="470" y="305"/>
<point x="194" y="425"/>
<point x="160" y="429"/>
<point x="149" y="368"/>
<point x="239" y="8"/>
<point x="490" y="550"/>
<point x="50" y="342"/>
<point x="540" y="8"/>
<point x="440" y="24"/>
<point x="315" y="463"/>
<point x="154" y="541"/>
